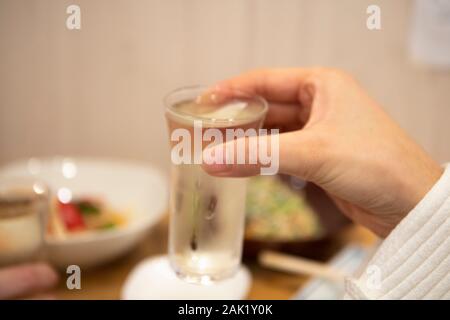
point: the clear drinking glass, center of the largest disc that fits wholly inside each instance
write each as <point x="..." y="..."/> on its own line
<point x="207" y="213"/>
<point x="23" y="211"/>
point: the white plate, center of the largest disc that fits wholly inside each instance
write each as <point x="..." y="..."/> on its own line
<point x="130" y="187"/>
<point x="154" y="279"/>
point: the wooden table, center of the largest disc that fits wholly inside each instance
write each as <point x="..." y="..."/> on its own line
<point x="106" y="282"/>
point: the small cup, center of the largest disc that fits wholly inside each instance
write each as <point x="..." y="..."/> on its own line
<point x="24" y="204"/>
<point x="207" y="213"/>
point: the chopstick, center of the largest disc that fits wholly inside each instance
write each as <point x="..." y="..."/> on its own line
<point x="297" y="265"/>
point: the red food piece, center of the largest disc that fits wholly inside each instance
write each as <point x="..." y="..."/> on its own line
<point x="71" y="216"/>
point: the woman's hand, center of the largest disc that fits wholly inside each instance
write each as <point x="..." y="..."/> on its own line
<point x="27" y="281"/>
<point x="336" y="136"/>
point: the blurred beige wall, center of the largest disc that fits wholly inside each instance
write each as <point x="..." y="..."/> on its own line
<point x="98" y="91"/>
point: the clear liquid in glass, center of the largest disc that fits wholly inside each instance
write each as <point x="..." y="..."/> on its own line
<point x="207" y="213"/>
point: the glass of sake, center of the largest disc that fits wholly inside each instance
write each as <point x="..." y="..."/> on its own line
<point x="23" y="211"/>
<point x="207" y="213"/>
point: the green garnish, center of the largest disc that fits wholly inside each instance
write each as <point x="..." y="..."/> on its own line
<point x="88" y="208"/>
<point x="106" y="226"/>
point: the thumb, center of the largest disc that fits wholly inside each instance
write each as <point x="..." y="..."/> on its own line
<point x="291" y="153"/>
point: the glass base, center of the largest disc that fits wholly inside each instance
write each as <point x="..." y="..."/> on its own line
<point x="203" y="279"/>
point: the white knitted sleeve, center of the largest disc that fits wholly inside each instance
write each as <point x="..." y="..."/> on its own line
<point x="413" y="262"/>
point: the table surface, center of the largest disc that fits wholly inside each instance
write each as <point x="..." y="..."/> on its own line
<point x="106" y="282"/>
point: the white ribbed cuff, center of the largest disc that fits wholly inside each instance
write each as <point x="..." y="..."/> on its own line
<point x="413" y="262"/>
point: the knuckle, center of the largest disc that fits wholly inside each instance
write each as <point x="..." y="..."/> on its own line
<point x="330" y="79"/>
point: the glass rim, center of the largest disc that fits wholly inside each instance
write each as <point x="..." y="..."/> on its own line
<point x="21" y="193"/>
<point x="169" y="107"/>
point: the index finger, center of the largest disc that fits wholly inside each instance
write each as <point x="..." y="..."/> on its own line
<point x="276" y="85"/>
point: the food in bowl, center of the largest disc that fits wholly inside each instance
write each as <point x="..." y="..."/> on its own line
<point x="83" y="215"/>
<point x="277" y="212"/>
<point x="136" y="190"/>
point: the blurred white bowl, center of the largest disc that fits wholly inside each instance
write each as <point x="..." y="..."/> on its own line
<point x="130" y="187"/>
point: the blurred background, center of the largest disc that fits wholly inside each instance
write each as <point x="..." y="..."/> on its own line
<point x="98" y="91"/>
